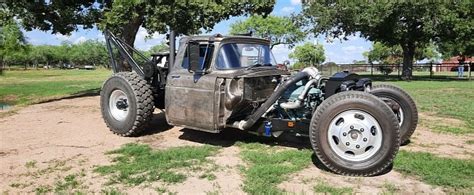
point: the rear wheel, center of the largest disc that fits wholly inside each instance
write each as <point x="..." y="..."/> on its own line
<point x="126" y="103"/>
<point x="354" y="133"/>
<point x="407" y="113"/>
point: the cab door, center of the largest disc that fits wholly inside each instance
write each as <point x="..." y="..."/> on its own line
<point x="190" y="96"/>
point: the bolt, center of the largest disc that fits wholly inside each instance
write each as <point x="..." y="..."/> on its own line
<point x="352" y="127"/>
<point x="344" y="134"/>
<point x="361" y="129"/>
<point x="347" y="143"/>
<point x="357" y="146"/>
<point x="365" y="139"/>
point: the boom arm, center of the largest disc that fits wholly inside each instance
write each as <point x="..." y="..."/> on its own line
<point x="122" y="47"/>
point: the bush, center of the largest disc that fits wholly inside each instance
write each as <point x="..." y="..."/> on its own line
<point x="385" y="70"/>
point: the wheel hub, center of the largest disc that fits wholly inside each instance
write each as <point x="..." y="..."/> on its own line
<point x="122" y="104"/>
<point x="118" y="105"/>
<point x="354" y="135"/>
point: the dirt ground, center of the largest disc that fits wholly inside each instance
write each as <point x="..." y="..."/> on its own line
<point x="43" y="143"/>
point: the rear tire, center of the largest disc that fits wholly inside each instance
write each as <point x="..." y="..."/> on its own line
<point x="408" y="113"/>
<point x="127" y="103"/>
<point x="354" y="133"/>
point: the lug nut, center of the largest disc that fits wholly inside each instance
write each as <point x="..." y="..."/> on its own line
<point x="357" y="146"/>
<point x="361" y="129"/>
<point x="344" y="134"/>
<point x="347" y="143"/>
<point x="365" y="139"/>
<point x="352" y="127"/>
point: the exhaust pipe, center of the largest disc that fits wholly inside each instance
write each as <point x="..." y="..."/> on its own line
<point x="309" y="72"/>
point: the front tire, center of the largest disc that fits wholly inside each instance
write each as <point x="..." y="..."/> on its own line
<point x="126" y="102"/>
<point x="355" y="133"/>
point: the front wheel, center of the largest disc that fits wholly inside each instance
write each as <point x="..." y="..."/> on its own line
<point x="126" y="102"/>
<point x="355" y="133"/>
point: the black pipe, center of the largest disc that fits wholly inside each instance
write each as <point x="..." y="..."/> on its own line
<point x="172" y="47"/>
<point x="272" y="99"/>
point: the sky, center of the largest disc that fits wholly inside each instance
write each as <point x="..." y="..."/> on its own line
<point x="336" y="51"/>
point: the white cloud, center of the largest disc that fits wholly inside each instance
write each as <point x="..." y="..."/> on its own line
<point x="351" y="49"/>
<point x="295" y="2"/>
<point x="288" y="9"/>
<point x="144" y="41"/>
<point x="80" y="40"/>
<point x="141" y="34"/>
<point x="62" y="37"/>
<point x="281" y="53"/>
<point x="353" y="38"/>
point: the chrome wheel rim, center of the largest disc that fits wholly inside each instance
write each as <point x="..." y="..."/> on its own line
<point x="118" y="105"/>
<point x="354" y="135"/>
<point x="400" y="116"/>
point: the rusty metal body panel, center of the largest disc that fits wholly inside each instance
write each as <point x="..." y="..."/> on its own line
<point x="197" y="101"/>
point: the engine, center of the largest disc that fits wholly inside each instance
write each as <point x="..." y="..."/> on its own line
<point x="302" y="110"/>
<point x="244" y="95"/>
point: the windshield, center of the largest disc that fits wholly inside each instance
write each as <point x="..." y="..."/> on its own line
<point x="240" y="55"/>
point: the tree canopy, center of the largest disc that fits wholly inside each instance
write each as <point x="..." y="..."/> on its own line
<point x="279" y="29"/>
<point x="394" y="54"/>
<point x="124" y="17"/>
<point x="13" y="43"/>
<point x="308" y="54"/>
<point x="409" y="24"/>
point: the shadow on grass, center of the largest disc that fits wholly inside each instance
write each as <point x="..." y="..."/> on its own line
<point x="85" y="93"/>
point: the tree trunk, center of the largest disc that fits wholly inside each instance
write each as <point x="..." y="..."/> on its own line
<point x="1" y="66"/>
<point x="128" y="35"/>
<point x="408" y="56"/>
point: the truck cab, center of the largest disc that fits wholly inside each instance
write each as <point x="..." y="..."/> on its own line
<point x="213" y="74"/>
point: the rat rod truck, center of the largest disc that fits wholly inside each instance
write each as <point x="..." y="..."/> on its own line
<point x="219" y="82"/>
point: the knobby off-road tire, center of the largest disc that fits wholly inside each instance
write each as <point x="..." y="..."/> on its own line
<point x="355" y="133"/>
<point x="407" y="116"/>
<point x="135" y="108"/>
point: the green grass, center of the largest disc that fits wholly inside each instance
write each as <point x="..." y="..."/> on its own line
<point x="27" y="87"/>
<point x="452" y="99"/>
<point x="111" y="191"/>
<point x="135" y="164"/>
<point x="445" y="172"/>
<point x="43" y="189"/>
<point x="323" y="187"/>
<point x="269" y="166"/>
<point x="31" y="164"/>
<point x="390" y="188"/>
<point x="70" y="182"/>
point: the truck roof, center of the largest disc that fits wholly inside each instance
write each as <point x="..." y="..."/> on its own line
<point x="220" y="38"/>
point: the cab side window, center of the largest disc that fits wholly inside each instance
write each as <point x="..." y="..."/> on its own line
<point x="202" y="54"/>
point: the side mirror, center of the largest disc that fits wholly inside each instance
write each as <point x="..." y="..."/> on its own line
<point x="193" y="54"/>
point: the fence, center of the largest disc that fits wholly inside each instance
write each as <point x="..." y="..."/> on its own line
<point x="420" y="70"/>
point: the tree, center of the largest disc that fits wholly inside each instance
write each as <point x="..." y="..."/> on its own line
<point x="158" y="48"/>
<point x="125" y="17"/>
<point x="409" y="24"/>
<point x="394" y="54"/>
<point x="279" y="29"/>
<point x="386" y="55"/>
<point x="308" y="54"/>
<point x="12" y="42"/>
